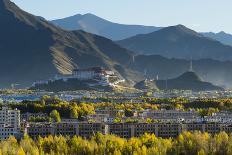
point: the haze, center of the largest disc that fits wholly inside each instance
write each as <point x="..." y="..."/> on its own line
<point x="199" y="15"/>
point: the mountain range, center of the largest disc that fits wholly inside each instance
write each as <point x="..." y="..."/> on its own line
<point x="213" y="71"/>
<point x="178" y="42"/>
<point x="223" y="37"/>
<point x="96" y="25"/>
<point x="32" y="49"/>
<point x="114" y="31"/>
<point x="187" y="81"/>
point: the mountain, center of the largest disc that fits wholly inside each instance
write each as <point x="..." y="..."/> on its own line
<point x="178" y="42"/>
<point x="146" y="85"/>
<point x="187" y="81"/>
<point x="155" y="66"/>
<point x="33" y="49"/>
<point x="96" y="25"/>
<point x="223" y="37"/>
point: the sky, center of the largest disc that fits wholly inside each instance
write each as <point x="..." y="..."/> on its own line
<point x="200" y="15"/>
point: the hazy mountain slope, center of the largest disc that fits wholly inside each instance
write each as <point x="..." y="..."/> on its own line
<point x="33" y="49"/>
<point x="93" y="24"/>
<point x="187" y="81"/>
<point x="146" y="85"/>
<point x="178" y="42"/>
<point x="214" y="71"/>
<point x="223" y="37"/>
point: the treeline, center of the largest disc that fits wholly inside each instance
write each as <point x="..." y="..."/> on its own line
<point x="186" y="144"/>
<point x="15" y="91"/>
<point x="77" y="109"/>
<point x="48" y="104"/>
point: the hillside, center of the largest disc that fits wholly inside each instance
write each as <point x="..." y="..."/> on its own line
<point x="146" y="85"/>
<point x="33" y="49"/>
<point x="186" y="81"/>
<point x="96" y="25"/>
<point x="214" y="71"/>
<point x="71" y="85"/>
<point x="223" y="37"/>
<point x="178" y="42"/>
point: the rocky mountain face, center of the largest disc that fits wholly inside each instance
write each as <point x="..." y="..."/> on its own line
<point x="178" y="42"/>
<point x="33" y="49"/>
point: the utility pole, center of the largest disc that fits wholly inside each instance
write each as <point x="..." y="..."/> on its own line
<point x="166" y="84"/>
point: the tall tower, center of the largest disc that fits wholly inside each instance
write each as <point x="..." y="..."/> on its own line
<point x="191" y="65"/>
<point x="145" y="72"/>
<point x="157" y="77"/>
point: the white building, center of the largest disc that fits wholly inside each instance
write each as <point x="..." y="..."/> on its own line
<point x="91" y="73"/>
<point x="171" y="115"/>
<point x="9" y="122"/>
<point x="95" y="73"/>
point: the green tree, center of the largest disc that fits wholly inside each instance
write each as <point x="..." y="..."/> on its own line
<point x="55" y="116"/>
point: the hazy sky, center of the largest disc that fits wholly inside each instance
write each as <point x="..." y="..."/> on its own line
<point x="200" y="15"/>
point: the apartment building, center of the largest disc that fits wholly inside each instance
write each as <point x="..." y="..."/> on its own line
<point x="27" y="116"/>
<point x="39" y="129"/>
<point x="87" y="130"/>
<point x="124" y="130"/>
<point x="98" y="117"/>
<point x="9" y="122"/>
<point x="111" y="111"/>
<point x="83" y="129"/>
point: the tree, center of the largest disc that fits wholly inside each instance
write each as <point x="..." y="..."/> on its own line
<point x="73" y="113"/>
<point x="55" y="116"/>
<point x="149" y="120"/>
<point x="21" y="151"/>
<point x="129" y="113"/>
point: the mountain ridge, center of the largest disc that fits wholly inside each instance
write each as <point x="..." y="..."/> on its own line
<point x="96" y="25"/>
<point x="187" y="81"/>
<point x="178" y="42"/>
<point x="222" y="36"/>
<point x="40" y="49"/>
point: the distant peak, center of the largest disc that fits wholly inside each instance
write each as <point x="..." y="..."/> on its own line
<point x="189" y="76"/>
<point x="83" y="15"/>
<point x="89" y="14"/>
<point x="180" y="29"/>
<point x="180" y="26"/>
<point x="222" y="32"/>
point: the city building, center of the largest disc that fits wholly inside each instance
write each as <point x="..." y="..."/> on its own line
<point x="98" y="74"/>
<point x="92" y="73"/>
<point x="27" y="116"/>
<point x="171" y="115"/>
<point x="9" y="123"/>
<point x="84" y="129"/>
<point x="111" y="111"/>
<point x="87" y="130"/>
